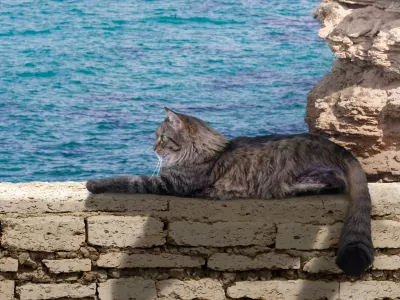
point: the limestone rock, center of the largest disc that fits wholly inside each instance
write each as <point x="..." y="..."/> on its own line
<point x="127" y="289"/>
<point x="357" y="104"/>
<point x="205" y="289"/>
<point x="43" y="233"/>
<point x="54" y="291"/>
<point x="68" y="265"/>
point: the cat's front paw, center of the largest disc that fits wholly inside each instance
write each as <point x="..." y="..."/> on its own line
<point x="96" y="186"/>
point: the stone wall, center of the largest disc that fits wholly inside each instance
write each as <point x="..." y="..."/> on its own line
<point x="60" y="242"/>
<point x="358" y="103"/>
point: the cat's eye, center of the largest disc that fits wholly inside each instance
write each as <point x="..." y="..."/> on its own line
<point x="164" y="138"/>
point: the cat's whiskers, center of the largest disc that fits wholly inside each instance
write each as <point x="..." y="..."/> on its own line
<point x="157" y="167"/>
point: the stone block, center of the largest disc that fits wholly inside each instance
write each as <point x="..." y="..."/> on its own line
<point x="233" y="262"/>
<point x="125" y="231"/>
<point x="306" y="236"/>
<point x="322" y="265"/>
<point x="7" y="290"/>
<point x="221" y="234"/>
<point x="35" y="197"/>
<point x="204" y="289"/>
<point x="385" y="262"/>
<point x="127" y="289"/>
<point x="318" y="209"/>
<point x="284" y="290"/>
<point x="48" y="234"/>
<point x="8" y="264"/>
<point x="68" y="265"/>
<point x="386" y="234"/>
<point x="369" y="290"/>
<point x="55" y="291"/>
<point x="163" y="260"/>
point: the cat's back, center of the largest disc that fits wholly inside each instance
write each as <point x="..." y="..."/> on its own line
<point x="274" y="139"/>
<point x="288" y="145"/>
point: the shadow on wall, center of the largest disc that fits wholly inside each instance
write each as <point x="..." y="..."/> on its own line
<point x="125" y="231"/>
<point x="322" y="238"/>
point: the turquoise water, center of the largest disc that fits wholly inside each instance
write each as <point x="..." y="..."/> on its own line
<point x="83" y="83"/>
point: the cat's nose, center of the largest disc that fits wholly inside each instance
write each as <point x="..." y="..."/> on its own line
<point x="155" y="147"/>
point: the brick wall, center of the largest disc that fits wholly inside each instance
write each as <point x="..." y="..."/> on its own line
<point x="60" y="242"/>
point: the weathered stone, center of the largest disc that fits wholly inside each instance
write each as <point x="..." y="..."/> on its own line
<point x="322" y="265"/>
<point x="25" y="260"/>
<point x="305" y="236"/>
<point x="125" y="231"/>
<point x="66" y="255"/>
<point x="386" y="234"/>
<point x="228" y="278"/>
<point x="67" y="277"/>
<point x="321" y="209"/>
<point x="177" y="273"/>
<point x="8" y="264"/>
<point x="48" y="234"/>
<point x="7" y="290"/>
<point x="385" y="198"/>
<point x="369" y="290"/>
<point x="98" y="275"/>
<point x="114" y="273"/>
<point x="357" y="104"/>
<point x="222" y="234"/>
<point x="55" y="291"/>
<point x="205" y="289"/>
<point x="89" y="252"/>
<point x="37" y="276"/>
<point x="378" y="275"/>
<point x="34" y="197"/>
<point x="163" y="260"/>
<point x="127" y="289"/>
<point x="68" y="265"/>
<point x="232" y="262"/>
<point x="384" y="262"/>
<point x="284" y="290"/>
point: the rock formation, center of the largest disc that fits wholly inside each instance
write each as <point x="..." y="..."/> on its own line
<point x="357" y="104"/>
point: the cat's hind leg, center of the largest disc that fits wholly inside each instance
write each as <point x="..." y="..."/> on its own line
<point x="320" y="180"/>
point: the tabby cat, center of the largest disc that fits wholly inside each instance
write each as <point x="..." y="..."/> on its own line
<point x="197" y="161"/>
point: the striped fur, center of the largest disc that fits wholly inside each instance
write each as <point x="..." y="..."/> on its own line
<point x="200" y="162"/>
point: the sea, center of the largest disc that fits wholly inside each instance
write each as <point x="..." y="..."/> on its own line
<point x="83" y="84"/>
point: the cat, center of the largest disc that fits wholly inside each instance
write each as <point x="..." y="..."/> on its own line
<point x="197" y="161"/>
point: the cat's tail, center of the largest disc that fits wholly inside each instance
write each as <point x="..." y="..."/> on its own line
<point x="355" y="250"/>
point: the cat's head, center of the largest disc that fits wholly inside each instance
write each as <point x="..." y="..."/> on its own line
<point x="183" y="139"/>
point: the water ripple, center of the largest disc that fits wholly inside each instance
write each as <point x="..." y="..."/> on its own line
<point x="83" y="83"/>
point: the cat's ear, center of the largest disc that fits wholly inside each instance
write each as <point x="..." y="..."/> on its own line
<point x="174" y="118"/>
